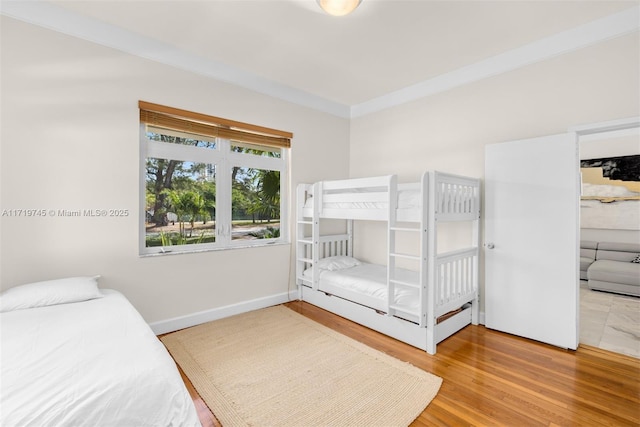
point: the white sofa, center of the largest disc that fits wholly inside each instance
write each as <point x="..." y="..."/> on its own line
<point x="613" y="269"/>
<point x="587" y="256"/>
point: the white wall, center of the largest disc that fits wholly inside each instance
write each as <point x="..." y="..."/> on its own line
<point x="610" y="235"/>
<point x="449" y="131"/>
<point x="69" y="140"/>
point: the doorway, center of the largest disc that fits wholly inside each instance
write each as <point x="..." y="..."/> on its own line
<point x="608" y="320"/>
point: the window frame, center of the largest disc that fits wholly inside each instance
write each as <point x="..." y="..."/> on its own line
<point x="225" y="160"/>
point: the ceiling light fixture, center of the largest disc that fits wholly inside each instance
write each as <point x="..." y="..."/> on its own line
<point x="339" y="7"/>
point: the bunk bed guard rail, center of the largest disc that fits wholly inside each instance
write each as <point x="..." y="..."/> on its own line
<point x="456" y="279"/>
<point x="456" y="197"/>
<point x="358" y="198"/>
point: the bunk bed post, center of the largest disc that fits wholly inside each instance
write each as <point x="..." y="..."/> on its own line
<point x="424" y="250"/>
<point x="349" y="251"/>
<point x="431" y="264"/>
<point x="315" y="232"/>
<point x="475" y="305"/>
<point x="300" y="195"/>
<point x="392" y="191"/>
<point x="304" y="243"/>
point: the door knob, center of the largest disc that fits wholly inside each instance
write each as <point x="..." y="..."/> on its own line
<point x="490" y="245"/>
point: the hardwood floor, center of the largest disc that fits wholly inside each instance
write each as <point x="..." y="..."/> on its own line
<point x="491" y="378"/>
<point x="207" y="419"/>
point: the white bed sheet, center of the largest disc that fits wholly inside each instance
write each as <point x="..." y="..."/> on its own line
<point x="366" y="284"/>
<point x="407" y="199"/>
<point x="92" y="363"/>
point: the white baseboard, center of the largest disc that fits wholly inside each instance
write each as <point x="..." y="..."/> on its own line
<point x="181" y="322"/>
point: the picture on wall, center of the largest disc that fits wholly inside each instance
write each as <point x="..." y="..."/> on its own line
<point x="610" y="193"/>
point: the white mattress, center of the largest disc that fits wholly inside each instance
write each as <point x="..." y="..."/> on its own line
<point x="407" y="199"/>
<point x="366" y="284"/>
<point x="92" y="363"/>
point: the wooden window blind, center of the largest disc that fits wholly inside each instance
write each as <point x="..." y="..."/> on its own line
<point x="203" y="124"/>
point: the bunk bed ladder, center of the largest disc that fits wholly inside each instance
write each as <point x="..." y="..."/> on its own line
<point x="302" y="240"/>
<point x="391" y="244"/>
<point x="315" y="232"/>
<point x="425" y="250"/>
<point x="430" y="238"/>
<point x="393" y="282"/>
<point x="306" y="244"/>
<point x="475" y="308"/>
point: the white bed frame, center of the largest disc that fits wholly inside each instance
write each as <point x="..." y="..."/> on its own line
<point x="448" y="282"/>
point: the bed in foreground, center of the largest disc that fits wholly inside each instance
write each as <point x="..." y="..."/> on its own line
<point x="84" y="356"/>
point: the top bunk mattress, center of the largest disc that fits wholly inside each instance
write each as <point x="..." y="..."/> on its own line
<point x="407" y="199"/>
<point x="453" y="198"/>
<point x="94" y="362"/>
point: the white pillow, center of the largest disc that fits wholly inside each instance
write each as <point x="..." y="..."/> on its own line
<point x="50" y="292"/>
<point x="334" y="263"/>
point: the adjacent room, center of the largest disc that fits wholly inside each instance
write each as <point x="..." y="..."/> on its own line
<point x="272" y="212"/>
<point x="610" y="222"/>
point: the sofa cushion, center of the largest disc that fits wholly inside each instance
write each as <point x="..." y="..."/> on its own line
<point x="588" y="244"/>
<point x="588" y="253"/>
<point x="617" y="251"/>
<point x="605" y="270"/>
<point x="588" y="250"/>
<point x="585" y="263"/>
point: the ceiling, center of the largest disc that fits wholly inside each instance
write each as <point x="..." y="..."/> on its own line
<point x="383" y="47"/>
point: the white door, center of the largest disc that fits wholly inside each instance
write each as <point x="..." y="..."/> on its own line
<point x="532" y="190"/>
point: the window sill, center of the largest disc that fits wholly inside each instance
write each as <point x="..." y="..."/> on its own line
<point x="192" y="251"/>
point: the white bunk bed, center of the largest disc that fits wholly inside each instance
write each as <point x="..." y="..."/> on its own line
<point x="420" y="307"/>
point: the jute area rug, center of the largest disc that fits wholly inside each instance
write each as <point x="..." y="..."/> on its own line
<point x="275" y="367"/>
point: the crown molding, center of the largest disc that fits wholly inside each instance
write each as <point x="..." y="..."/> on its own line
<point x="616" y="25"/>
<point x="55" y="18"/>
<point x="58" y="19"/>
<point x="621" y="127"/>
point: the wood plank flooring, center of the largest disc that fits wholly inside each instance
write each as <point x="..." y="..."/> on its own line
<point x="491" y="378"/>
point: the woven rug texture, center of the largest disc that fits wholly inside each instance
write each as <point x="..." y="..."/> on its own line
<point x="275" y="367"/>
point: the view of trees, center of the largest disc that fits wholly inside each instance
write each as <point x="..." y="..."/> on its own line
<point x="184" y="193"/>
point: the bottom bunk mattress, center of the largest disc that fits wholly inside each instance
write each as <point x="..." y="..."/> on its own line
<point x="365" y="283"/>
<point x="94" y="362"/>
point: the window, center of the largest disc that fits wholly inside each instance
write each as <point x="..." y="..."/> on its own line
<point x="210" y="183"/>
